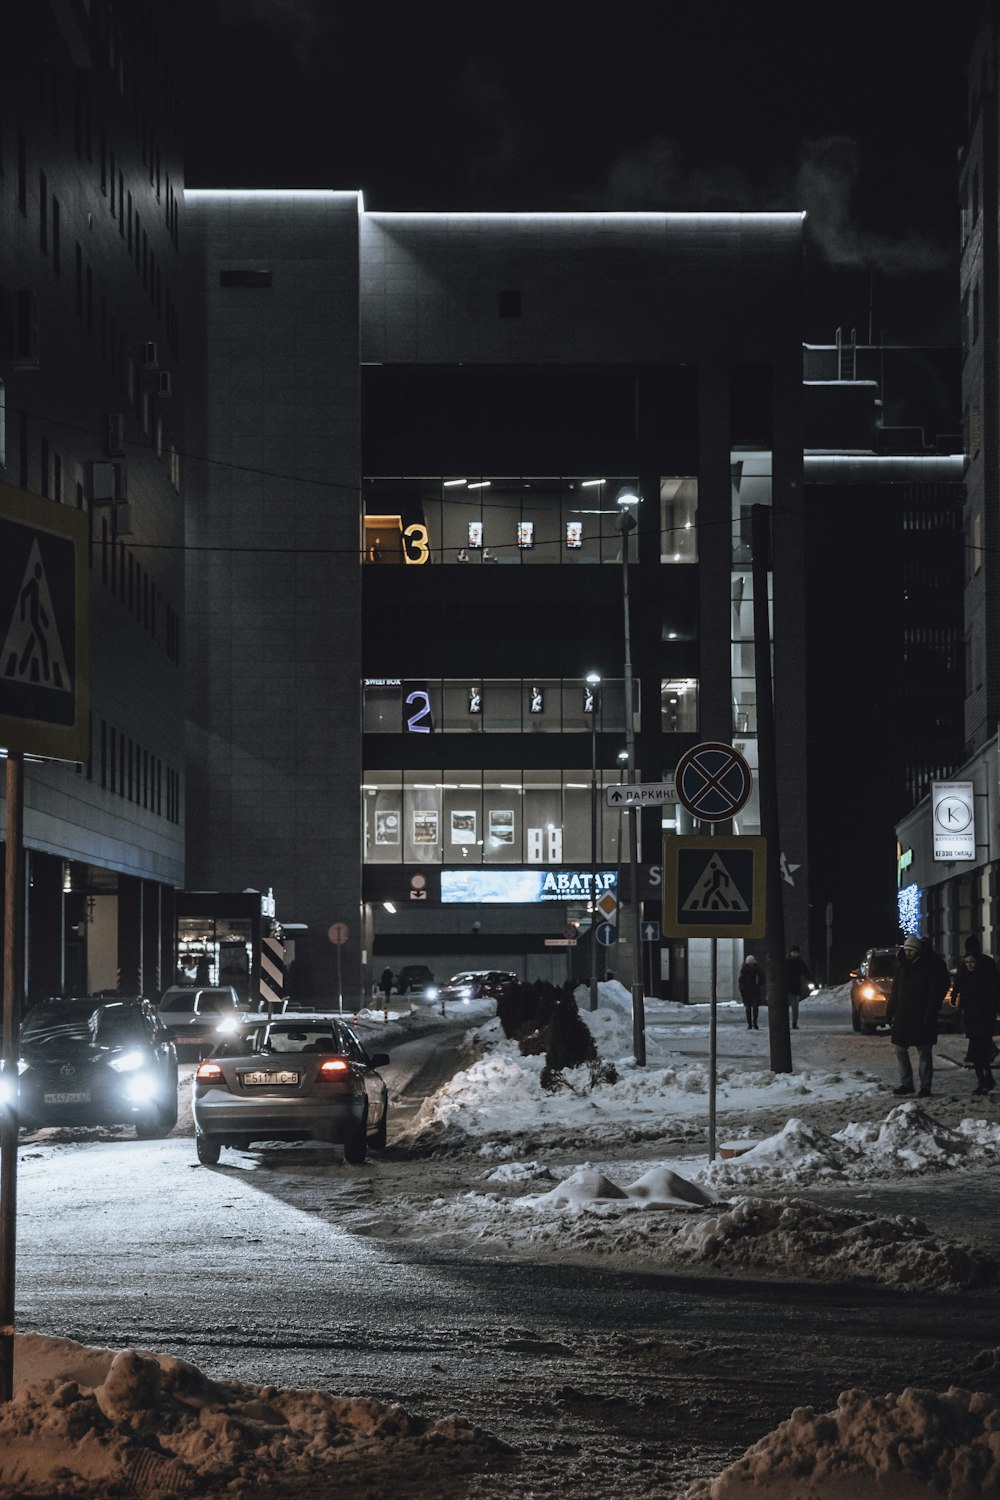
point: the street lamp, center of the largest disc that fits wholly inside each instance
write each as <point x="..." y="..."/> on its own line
<point x="593" y="683"/>
<point x="628" y="501"/>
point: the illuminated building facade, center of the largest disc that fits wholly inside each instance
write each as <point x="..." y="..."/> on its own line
<point x="409" y="435"/>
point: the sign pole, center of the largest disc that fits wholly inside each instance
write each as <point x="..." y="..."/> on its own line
<point x="713" y="1034"/>
<point x="13" y="967"/>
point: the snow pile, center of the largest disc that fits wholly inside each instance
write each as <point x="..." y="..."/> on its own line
<point x="906" y="1447"/>
<point x="91" y="1421"/>
<point x="500" y="1095"/>
<point x="907" y="1141"/>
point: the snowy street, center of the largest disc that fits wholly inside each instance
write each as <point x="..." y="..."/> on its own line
<point x="567" y="1271"/>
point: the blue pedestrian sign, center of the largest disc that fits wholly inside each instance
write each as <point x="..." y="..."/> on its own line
<point x="606" y="934"/>
<point x="44" y="578"/>
<point x="714" y="887"/>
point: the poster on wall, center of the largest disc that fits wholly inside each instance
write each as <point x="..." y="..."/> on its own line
<point x="574" y="533"/>
<point x="475" y="533"/>
<point x="386" y="826"/>
<point x="425" y="827"/>
<point x="502" y="825"/>
<point x="463" y="827"/>
<point x="537" y="701"/>
<point x="525" y="533"/>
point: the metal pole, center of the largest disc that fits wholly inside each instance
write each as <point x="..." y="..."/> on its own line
<point x="593" y="855"/>
<point x="779" y="1035"/>
<point x="340" y="985"/>
<point x="713" y="1046"/>
<point x="13" y="983"/>
<point x="628" y="523"/>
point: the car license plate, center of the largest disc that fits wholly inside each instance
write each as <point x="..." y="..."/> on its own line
<point x="79" y="1098"/>
<point x="258" y="1079"/>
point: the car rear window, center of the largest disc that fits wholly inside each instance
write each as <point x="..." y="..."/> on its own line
<point x="301" y="1039"/>
<point x="182" y="1003"/>
<point x="213" y="1005"/>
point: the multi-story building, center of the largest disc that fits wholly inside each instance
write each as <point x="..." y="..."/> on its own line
<point x="410" y="434"/>
<point x="91" y="195"/>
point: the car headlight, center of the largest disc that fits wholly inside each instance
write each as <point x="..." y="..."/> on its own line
<point x="22" y="1066"/>
<point x="141" y="1088"/>
<point x="128" y="1062"/>
<point x="8" y="1092"/>
<point x="431" y="992"/>
<point x="868" y="992"/>
<point x="228" y="1026"/>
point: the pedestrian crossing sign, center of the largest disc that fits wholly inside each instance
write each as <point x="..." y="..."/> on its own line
<point x="714" y="887"/>
<point x="44" y="667"/>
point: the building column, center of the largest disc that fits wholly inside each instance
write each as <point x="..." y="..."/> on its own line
<point x="44" y="973"/>
<point x="130" y="934"/>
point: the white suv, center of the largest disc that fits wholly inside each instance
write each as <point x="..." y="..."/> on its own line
<point x="199" y="1016"/>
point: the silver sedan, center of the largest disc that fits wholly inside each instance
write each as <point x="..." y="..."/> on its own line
<point x="291" y="1080"/>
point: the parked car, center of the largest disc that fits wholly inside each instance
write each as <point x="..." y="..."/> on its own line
<point x="871" y="985"/>
<point x="96" y="1060"/>
<point x="416" y="979"/>
<point x="199" y="1015"/>
<point x="476" y="984"/>
<point x="291" y="1080"/>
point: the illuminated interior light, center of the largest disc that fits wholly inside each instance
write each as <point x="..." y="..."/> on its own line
<point x="390" y="907"/>
<point x="481" y="484"/>
<point x="450" y="484"/>
<point x="587" y="484"/>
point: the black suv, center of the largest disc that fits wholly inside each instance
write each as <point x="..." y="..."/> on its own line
<point x="97" y="1060"/>
<point x="416" y="979"/>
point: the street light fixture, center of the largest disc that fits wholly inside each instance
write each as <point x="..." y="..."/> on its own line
<point x="628" y="501"/>
<point x="593" y="682"/>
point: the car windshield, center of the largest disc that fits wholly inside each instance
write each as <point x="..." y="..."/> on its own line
<point x="183" y="1002"/>
<point x="213" y="1005"/>
<point x="882" y="966"/>
<point x="99" y="1026"/>
<point x="301" y="1039"/>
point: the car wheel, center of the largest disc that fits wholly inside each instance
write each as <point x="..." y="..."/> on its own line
<point x="208" y="1148"/>
<point x="356" y="1142"/>
<point x="855" y="1019"/>
<point x="380" y="1138"/>
<point x="868" y="1028"/>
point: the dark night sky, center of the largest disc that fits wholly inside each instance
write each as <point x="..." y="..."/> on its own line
<point x="854" y="113"/>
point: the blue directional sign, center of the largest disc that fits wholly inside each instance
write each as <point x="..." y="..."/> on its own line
<point x="650" y="932"/>
<point x="714" y="887"/>
<point x="606" y="934"/>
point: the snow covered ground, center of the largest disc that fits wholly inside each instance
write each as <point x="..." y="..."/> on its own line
<point x="616" y="1172"/>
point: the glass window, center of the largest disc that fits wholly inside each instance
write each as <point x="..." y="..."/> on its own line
<point x="382" y="798"/>
<point x="423" y="809"/>
<point x="679" y="705"/>
<point x="463" y="817"/>
<point x="496" y="519"/>
<point x="383" y="701"/>
<point x="543" y="818"/>
<point x="503" y="796"/>
<point x="678" y="519"/>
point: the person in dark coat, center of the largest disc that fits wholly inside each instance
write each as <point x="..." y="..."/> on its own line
<point x="797" y="979"/>
<point x="385" y="983"/>
<point x="751" y="983"/>
<point x="976" y="992"/>
<point x="912" y="1014"/>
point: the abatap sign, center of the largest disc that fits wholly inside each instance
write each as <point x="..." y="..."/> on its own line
<point x="953" y="810"/>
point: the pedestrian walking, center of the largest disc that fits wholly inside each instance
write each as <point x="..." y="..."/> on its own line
<point x="385" y="982"/>
<point x="912" y="1014"/>
<point x="751" y="985"/>
<point x="976" y="992"/>
<point x="798" y="981"/>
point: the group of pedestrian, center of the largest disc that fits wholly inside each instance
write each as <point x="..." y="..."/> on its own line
<point x="919" y="986"/>
<point x="797" y="981"/>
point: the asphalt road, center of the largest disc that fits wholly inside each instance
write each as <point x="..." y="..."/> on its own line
<point x="602" y="1382"/>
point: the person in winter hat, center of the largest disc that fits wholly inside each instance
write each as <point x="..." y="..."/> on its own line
<point x="912" y="1014"/>
<point x="976" y="992"/>
<point x="751" y="983"/>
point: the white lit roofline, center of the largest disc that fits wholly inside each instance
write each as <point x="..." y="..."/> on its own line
<point x="618" y="215"/>
<point x="355" y="193"/>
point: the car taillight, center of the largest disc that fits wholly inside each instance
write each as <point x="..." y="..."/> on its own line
<point x="208" y="1072"/>
<point x="332" y="1066"/>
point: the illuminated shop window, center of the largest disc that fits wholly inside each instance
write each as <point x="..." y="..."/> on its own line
<point x="498" y="520"/>
<point x="472" y="817"/>
<point x="678" y="519"/>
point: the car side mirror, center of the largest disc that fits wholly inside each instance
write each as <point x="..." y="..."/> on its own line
<point x="379" y="1059"/>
